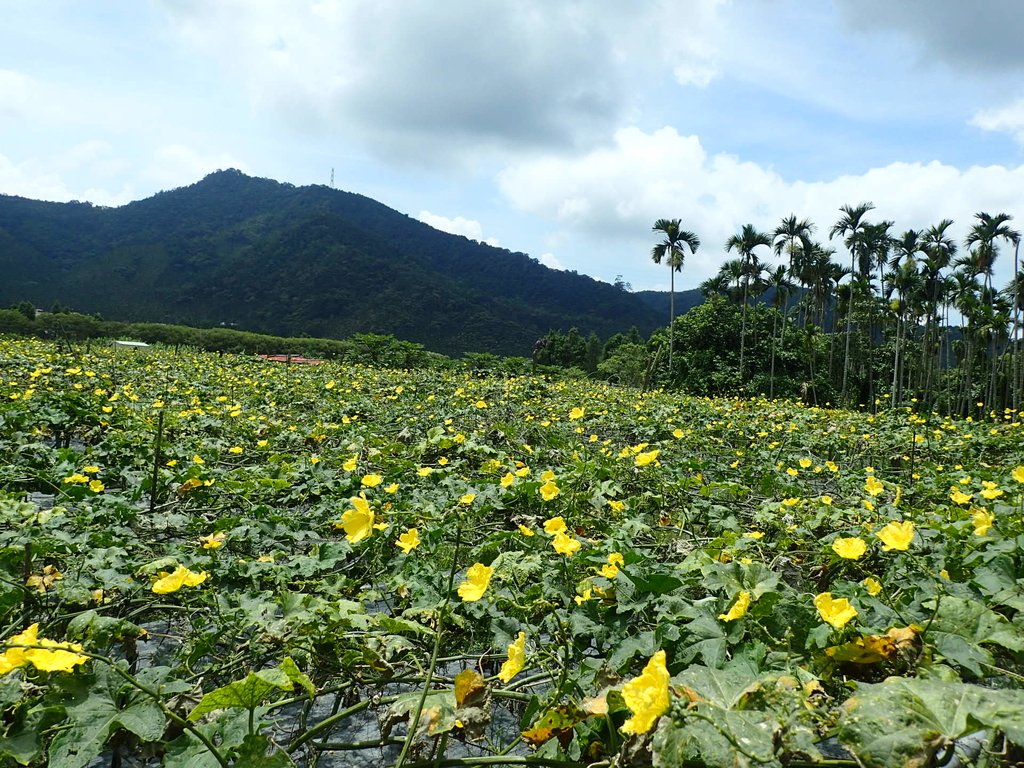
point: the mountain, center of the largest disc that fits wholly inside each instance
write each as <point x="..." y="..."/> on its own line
<point x="274" y="258"/>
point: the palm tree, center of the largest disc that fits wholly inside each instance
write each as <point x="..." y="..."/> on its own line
<point x="671" y="249"/>
<point x="982" y="242"/>
<point x="745" y="242"/>
<point x="778" y="279"/>
<point x="939" y="250"/>
<point x="851" y="226"/>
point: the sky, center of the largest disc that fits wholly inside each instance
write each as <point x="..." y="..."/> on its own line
<point x="563" y="130"/>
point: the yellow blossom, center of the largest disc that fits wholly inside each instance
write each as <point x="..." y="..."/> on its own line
<point x="611" y="569"/>
<point x="647" y="695"/>
<point x="507" y="480"/>
<point x="554" y="526"/>
<point x="1018" y="474"/>
<point x="180" y="577"/>
<point x="467" y="498"/>
<point x="92" y="469"/>
<point x="525" y="531"/>
<point x="587" y="595"/>
<point x="897" y="535"/>
<point x="52" y="657"/>
<point x="872" y="585"/>
<point x="643" y="459"/>
<point x="959" y="497"/>
<point x="393" y="488"/>
<point x="873" y="485"/>
<point x="739" y="608"/>
<point x="850" y="548"/>
<point x="358" y="521"/>
<point x="213" y="541"/>
<point x="565" y="545"/>
<point x="617" y="506"/>
<point x="982" y="521"/>
<point x="408" y="541"/>
<point x="576" y="414"/>
<point x="516" y="660"/>
<point x="549" y="490"/>
<point x="76" y="478"/>
<point x="826" y="500"/>
<point x="792" y="471"/>
<point x="478" y="577"/>
<point x="95" y="486"/>
<point x="753" y="535"/>
<point x="350" y="464"/>
<point x="805" y="463"/>
<point x="372" y="480"/>
<point x="424" y="471"/>
<point x="836" y="611"/>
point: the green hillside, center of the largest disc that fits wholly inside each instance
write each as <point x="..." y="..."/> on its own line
<point x="275" y="258"/>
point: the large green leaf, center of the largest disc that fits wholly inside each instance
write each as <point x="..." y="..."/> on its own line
<point x="961" y="628"/>
<point x="98" y="705"/>
<point x="248" y="693"/>
<point x="906" y="721"/>
<point x="709" y="736"/>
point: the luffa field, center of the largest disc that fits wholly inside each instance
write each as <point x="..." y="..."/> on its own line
<point x="218" y="560"/>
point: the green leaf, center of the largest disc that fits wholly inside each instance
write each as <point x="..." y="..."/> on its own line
<point x="706" y="638"/>
<point x="716" y="738"/>
<point x="297" y="676"/>
<point x="960" y="627"/>
<point x="99" y="705"/>
<point x="721" y="687"/>
<point x="249" y="693"/>
<point x="906" y="721"/>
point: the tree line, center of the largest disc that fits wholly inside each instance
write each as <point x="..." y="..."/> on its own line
<point x="914" y="315"/>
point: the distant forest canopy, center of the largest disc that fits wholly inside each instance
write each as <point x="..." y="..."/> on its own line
<point x="262" y="256"/>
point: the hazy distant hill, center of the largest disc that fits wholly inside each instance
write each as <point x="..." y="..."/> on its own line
<point x="288" y="260"/>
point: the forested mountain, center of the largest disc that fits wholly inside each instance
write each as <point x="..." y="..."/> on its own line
<point x="276" y="258"/>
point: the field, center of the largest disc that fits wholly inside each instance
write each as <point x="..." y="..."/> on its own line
<point x="218" y="560"/>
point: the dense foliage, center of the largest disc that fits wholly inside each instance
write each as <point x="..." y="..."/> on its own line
<point x="216" y="560"/>
<point x="273" y="258"/>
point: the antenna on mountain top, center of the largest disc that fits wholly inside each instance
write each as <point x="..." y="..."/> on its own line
<point x="332" y="178"/>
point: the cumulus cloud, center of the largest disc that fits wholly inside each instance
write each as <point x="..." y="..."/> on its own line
<point x="1006" y="119"/>
<point x="613" y="195"/>
<point x="436" y="82"/>
<point x="458" y="226"/>
<point x="551" y="261"/>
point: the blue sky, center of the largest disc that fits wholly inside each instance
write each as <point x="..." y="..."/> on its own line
<point x="563" y="130"/>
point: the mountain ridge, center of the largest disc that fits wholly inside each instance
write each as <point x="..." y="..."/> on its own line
<point x="271" y="257"/>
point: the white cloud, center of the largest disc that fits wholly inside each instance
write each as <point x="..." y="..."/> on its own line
<point x="458" y="226"/>
<point x="1006" y="119"/>
<point x="551" y="261"/>
<point x="177" y="165"/>
<point x="613" y="196"/>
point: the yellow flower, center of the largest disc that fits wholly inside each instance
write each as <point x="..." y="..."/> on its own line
<point x="91" y="469"/>
<point x="991" y="493"/>
<point x="350" y="464"/>
<point x="587" y="595"/>
<point x="372" y="480"/>
<point x="576" y="413"/>
<point x="872" y="585"/>
<point x="826" y="500"/>
<point x="617" y="506"/>
<point x="805" y="463"/>
<point x="792" y="471"/>
<point x="466" y="499"/>
<point x="643" y="459"/>
<point x="565" y="545"/>
<point x="358" y="521"/>
<point x="95" y="486"/>
<point x="548" y="475"/>
<point x="554" y="526"/>
<point x="832" y="466"/>
<point x="181" y="577"/>
<point x="739" y="608"/>
<point x="76" y="478"/>
<point x="507" y="480"/>
<point x="896" y="535"/>
<point x="424" y="471"/>
<point x="197" y="459"/>
<point x="235" y="449"/>
<point x="678" y="434"/>
<point x="753" y="535"/>
<point x="836" y="611"/>
<point x="393" y="488"/>
<point x="873" y="485"/>
<point x="982" y="521"/>
<point x="477" y="578"/>
<point x="45" y="580"/>
<point x="611" y="569"/>
<point x="647" y="695"/>
<point x="53" y="657"/>
<point x="790" y="502"/>
<point x="549" y="490"/>
<point x="481" y="403"/>
<point x="516" y="660"/>
<point x="959" y="497"/>
<point x="522" y="472"/>
<point x="213" y="541"/>
<point x="408" y="541"/>
<point x="1018" y="474"/>
<point x="525" y="531"/>
<point x="851" y="548"/>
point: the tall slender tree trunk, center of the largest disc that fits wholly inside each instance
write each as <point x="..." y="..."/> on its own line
<point x="671" y="318"/>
